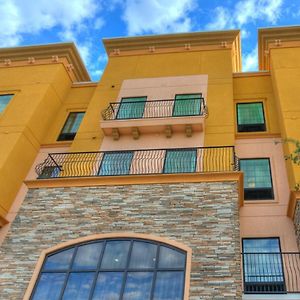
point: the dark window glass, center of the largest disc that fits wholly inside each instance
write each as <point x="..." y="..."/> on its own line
<point x="262" y="261"/>
<point x="180" y="161"/>
<point x="250" y="117"/>
<point x="187" y="105"/>
<point x="131" y="108"/>
<point x="111" y="270"/>
<point x="50" y="172"/>
<point x="257" y="179"/>
<point x="71" y="126"/>
<point x="4" y="99"/>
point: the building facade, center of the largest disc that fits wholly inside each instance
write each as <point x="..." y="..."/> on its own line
<point x="170" y="178"/>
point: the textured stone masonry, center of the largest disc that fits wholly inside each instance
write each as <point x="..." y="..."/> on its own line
<point x="203" y="216"/>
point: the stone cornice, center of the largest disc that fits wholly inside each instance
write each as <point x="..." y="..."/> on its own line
<point x="277" y="37"/>
<point x="65" y="53"/>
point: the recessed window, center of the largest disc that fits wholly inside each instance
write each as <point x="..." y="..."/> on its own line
<point x="180" y="161"/>
<point x="131" y="108"/>
<point x="263" y="266"/>
<point x="257" y="179"/>
<point x="187" y="105"/>
<point x="127" y="269"/>
<point x="250" y="117"/>
<point x="71" y="126"/>
<point x="4" y="100"/>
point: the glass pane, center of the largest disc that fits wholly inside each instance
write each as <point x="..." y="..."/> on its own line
<point x="180" y="161"/>
<point x="250" y="113"/>
<point x="256" y="173"/>
<point x="4" y="99"/>
<point x="73" y="122"/>
<point x="138" y="286"/>
<point x="59" y="261"/>
<point x="169" y="285"/>
<point x="108" y="286"/>
<point x="187" y="105"/>
<point x="143" y="255"/>
<point x="116" y="163"/>
<point x="261" y="245"/>
<point x="115" y="255"/>
<point x="131" y="108"/>
<point x="78" y="286"/>
<point x="87" y="256"/>
<point x="170" y="258"/>
<point x="49" y="286"/>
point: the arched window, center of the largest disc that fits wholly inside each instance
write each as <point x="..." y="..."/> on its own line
<point x="113" y="269"/>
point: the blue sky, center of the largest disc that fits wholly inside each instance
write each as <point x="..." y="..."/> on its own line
<point x="86" y="22"/>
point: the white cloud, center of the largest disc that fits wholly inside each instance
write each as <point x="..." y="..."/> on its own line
<point x="250" y="60"/>
<point x="158" y="16"/>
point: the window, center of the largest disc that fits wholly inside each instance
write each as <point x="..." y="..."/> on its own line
<point x="263" y="266"/>
<point x="180" y="161"/>
<point x="187" y="105"/>
<point x="113" y="269"/>
<point x="4" y="99"/>
<point x="50" y="172"/>
<point x="116" y="163"/>
<point x="257" y="179"/>
<point x="250" y="117"/>
<point x="131" y="108"/>
<point x="71" y="126"/>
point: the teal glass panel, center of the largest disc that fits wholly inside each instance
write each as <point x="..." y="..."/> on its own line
<point x="132" y="108"/>
<point x="4" y="99"/>
<point x="256" y="173"/>
<point x="116" y="163"/>
<point x="187" y="105"/>
<point x="250" y="113"/>
<point x="180" y="161"/>
<point x="73" y="122"/>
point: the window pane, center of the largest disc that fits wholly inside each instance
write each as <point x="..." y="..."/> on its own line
<point x="169" y="258"/>
<point x="131" y="108"/>
<point x="108" y="286"/>
<point x="256" y="173"/>
<point x="180" y="161"/>
<point x="49" y="286"/>
<point x="115" y="255"/>
<point x="169" y="285"/>
<point x="73" y="122"/>
<point x="138" y="286"/>
<point x="59" y="261"/>
<point x="187" y="105"/>
<point x="250" y="113"/>
<point x="143" y="255"/>
<point x="261" y="245"/>
<point x="4" y="99"/>
<point x="87" y="256"/>
<point x="78" y="286"/>
<point x="116" y="163"/>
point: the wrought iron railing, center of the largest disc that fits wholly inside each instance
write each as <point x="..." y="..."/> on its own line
<point x="155" y="109"/>
<point x="136" y="162"/>
<point x="271" y="273"/>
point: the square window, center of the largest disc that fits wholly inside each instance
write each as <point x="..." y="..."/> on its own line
<point x="131" y="108"/>
<point x="250" y="117"/>
<point x="187" y="105"/>
<point x="71" y="126"/>
<point x="257" y="179"/>
<point x="4" y="100"/>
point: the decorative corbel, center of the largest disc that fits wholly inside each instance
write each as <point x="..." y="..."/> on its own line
<point x="115" y="134"/>
<point x="168" y="131"/>
<point x="116" y="52"/>
<point x="70" y="67"/>
<point x="151" y="49"/>
<point x="278" y="43"/>
<point x="224" y="44"/>
<point x="7" y="62"/>
<point x="135" y="133"/>
<point x="187" y="46"/>
<point x="188" y="130"/>
<point x="31" y="60"/>
<point x="54" y="58"/>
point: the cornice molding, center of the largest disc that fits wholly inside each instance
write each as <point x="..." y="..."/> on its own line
<point x="65" y="53"/>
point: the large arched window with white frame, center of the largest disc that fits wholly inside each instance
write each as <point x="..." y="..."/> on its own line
<point x="113" y="269"/>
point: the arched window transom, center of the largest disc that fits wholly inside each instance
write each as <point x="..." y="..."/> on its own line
<point x="113" y="269"/>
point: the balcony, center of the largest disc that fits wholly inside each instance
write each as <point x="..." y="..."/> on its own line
<point x="271" y="273"/>
<point x="152" y="116"/>
<point x="138" y="162"/>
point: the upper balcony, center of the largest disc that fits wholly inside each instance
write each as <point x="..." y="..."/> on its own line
<point x="138" y="115"/>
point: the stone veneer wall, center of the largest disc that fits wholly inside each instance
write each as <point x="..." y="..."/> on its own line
<point x="297" y="222"/>
<point x="203" y="216"/>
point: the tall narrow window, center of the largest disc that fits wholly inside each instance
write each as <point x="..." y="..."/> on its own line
<point x="4" y="99"/>
<point x="263" y="267"/>
<point x="71" y="126"/>
<point x="113" y="269"/>
<point x="250" y="117"/>
<point x="257" y="179"/>
<point x="131" y="108"/>
<point x="187" y="105"/>
<point x="180" y="161"/>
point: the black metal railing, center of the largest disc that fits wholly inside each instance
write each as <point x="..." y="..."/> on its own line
<point x="155" y="109"/>
<point x="271" y="273"/>
<point x="136" y="162"/>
